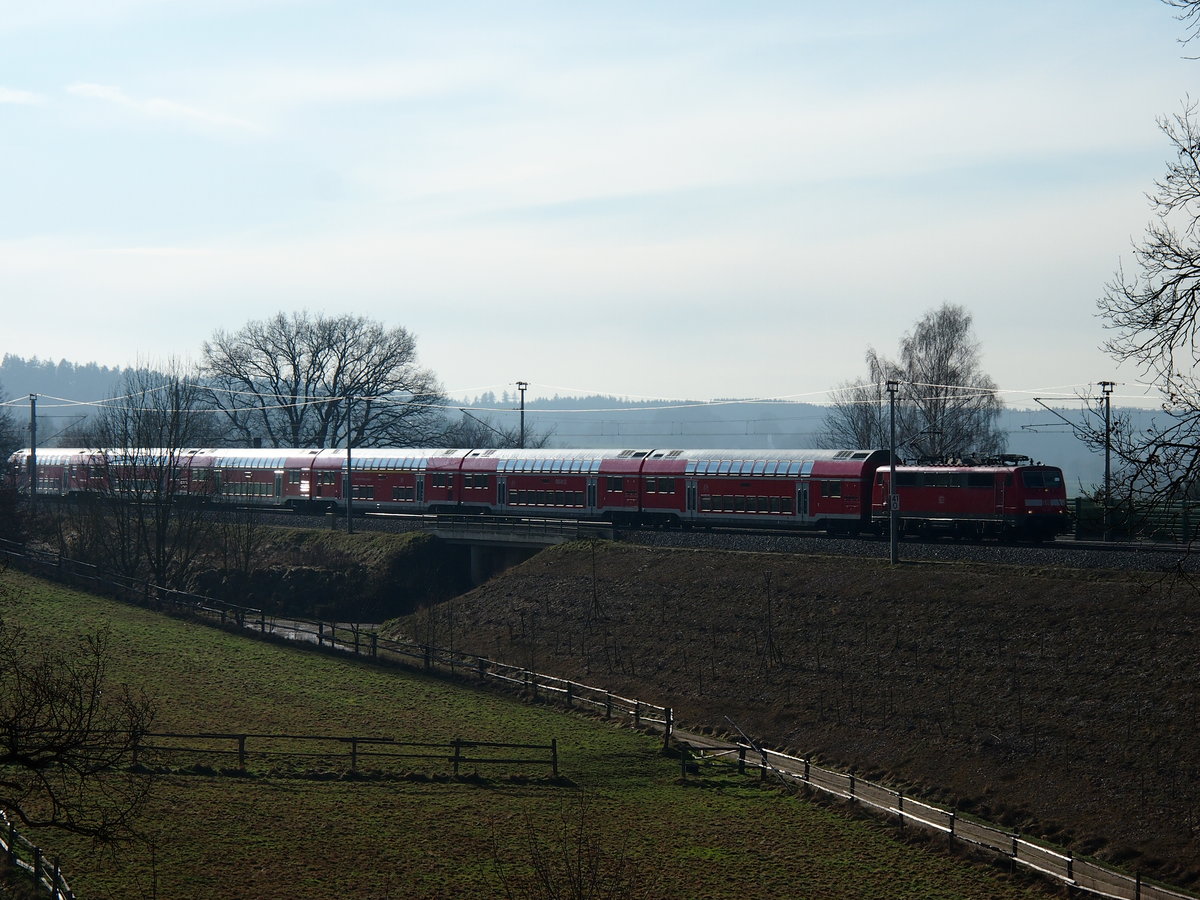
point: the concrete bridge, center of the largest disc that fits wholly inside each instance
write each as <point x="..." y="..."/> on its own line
<point x="497" y="544"/>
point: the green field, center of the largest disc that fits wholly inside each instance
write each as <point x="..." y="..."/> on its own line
<point x="279" y="837"/>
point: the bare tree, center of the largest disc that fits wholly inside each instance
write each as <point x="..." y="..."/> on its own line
<point x="484" y="432"/>
<point x="147" y="518"/>
<point x="1189" y="14"/>
<point x="571" y="859"/>
<point x="951" y="407"/>
<point x="68" y="737"/>
<point x="946" y="407"/>
<point x="859" y="416"/>
<point x="10" y="433"/>
<point x="303" y="381"/>
<point x="1154" y="317"/>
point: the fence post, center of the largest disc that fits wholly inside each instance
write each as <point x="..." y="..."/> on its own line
<point x="807" y="762"/>
<point x="374" y="645"/>
<point x="900" y="806"/>
<point x="741" y="760"/>
<point x="12" y="845"/>
<point x="852" y="797"/>
<point x="607" y="705"/>
<point x="1070" y="866"/>
<point x="457" y="753"/>
<point x="428" y="656"/>
<point x="1016" y="836"/>
<point x="952" y="812"/>
<point x="569" y="703"/>
<point x="262" y="621"/>
<point x="481" y="665"/>
<point x="320" y="634"/>
<point x="241" y="739"/>
<point x="554" y="756"/>
<point x="353" y="755"/>
<point x="37" y="866"/>
<point x="1137" y="886"/>
<point x="54" y="891"/>
<point x="356" y="640"/>
<point x="637" y="713"/>
<point x="669" y="722"/>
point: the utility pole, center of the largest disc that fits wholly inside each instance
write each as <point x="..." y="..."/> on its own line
<point x="521" y="385"/>
<point x="1107" y="387"/>
<point x="893" y="499"/>
<point x="32" y="449"/>
<point x="348" y="488"/>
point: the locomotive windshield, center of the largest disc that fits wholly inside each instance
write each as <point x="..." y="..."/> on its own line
<point x="1042" y="478"/>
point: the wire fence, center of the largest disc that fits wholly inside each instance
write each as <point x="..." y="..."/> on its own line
<point x="1059" y="864"/>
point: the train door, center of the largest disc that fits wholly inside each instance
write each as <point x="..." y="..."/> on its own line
<point x="802" y="499"/>
<point x="278" y="484"/>
<point x="420" y="488"/>
<point x="691" y="496"/>
<point x="501" y="491"/>
<point x="591" y="493"/>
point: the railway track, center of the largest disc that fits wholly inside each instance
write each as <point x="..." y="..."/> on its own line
<point x="1064" y="552"/>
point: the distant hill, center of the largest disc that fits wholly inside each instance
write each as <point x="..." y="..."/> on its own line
<point x="597" y="420"/>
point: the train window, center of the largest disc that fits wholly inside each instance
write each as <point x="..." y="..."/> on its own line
<point x="980" y="479"/>
<point x="650" y="488"/>
<point x="1041" y="478"/>
<point x="759" y="467"/>
<point x="615" y="484"/>
<point x="907" y="479"/>
<point x="831" y="489"/>
<point x="666" y="485"/>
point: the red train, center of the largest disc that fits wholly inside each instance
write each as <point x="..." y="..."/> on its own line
<point x="835" y="490"/>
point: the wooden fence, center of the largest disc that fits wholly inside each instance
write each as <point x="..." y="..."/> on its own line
<point x="26" y="860"/>
<point x="354" y="751"/>
<point x="1056" y="863"/>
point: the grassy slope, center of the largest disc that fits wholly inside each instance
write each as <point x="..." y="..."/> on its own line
<point x="1062" y="703"/>
<point x="267" y="838"/>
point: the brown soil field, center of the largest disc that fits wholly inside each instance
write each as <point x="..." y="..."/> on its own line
<point x="1062" y="703"/>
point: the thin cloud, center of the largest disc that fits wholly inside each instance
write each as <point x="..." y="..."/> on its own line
<point x="18" y="97"/>
<point x="167" y="110"/>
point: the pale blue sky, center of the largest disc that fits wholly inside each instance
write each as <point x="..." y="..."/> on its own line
<point x="645" y="199"/>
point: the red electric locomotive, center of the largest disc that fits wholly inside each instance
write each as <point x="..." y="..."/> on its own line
<point x="1008" y="498"/>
